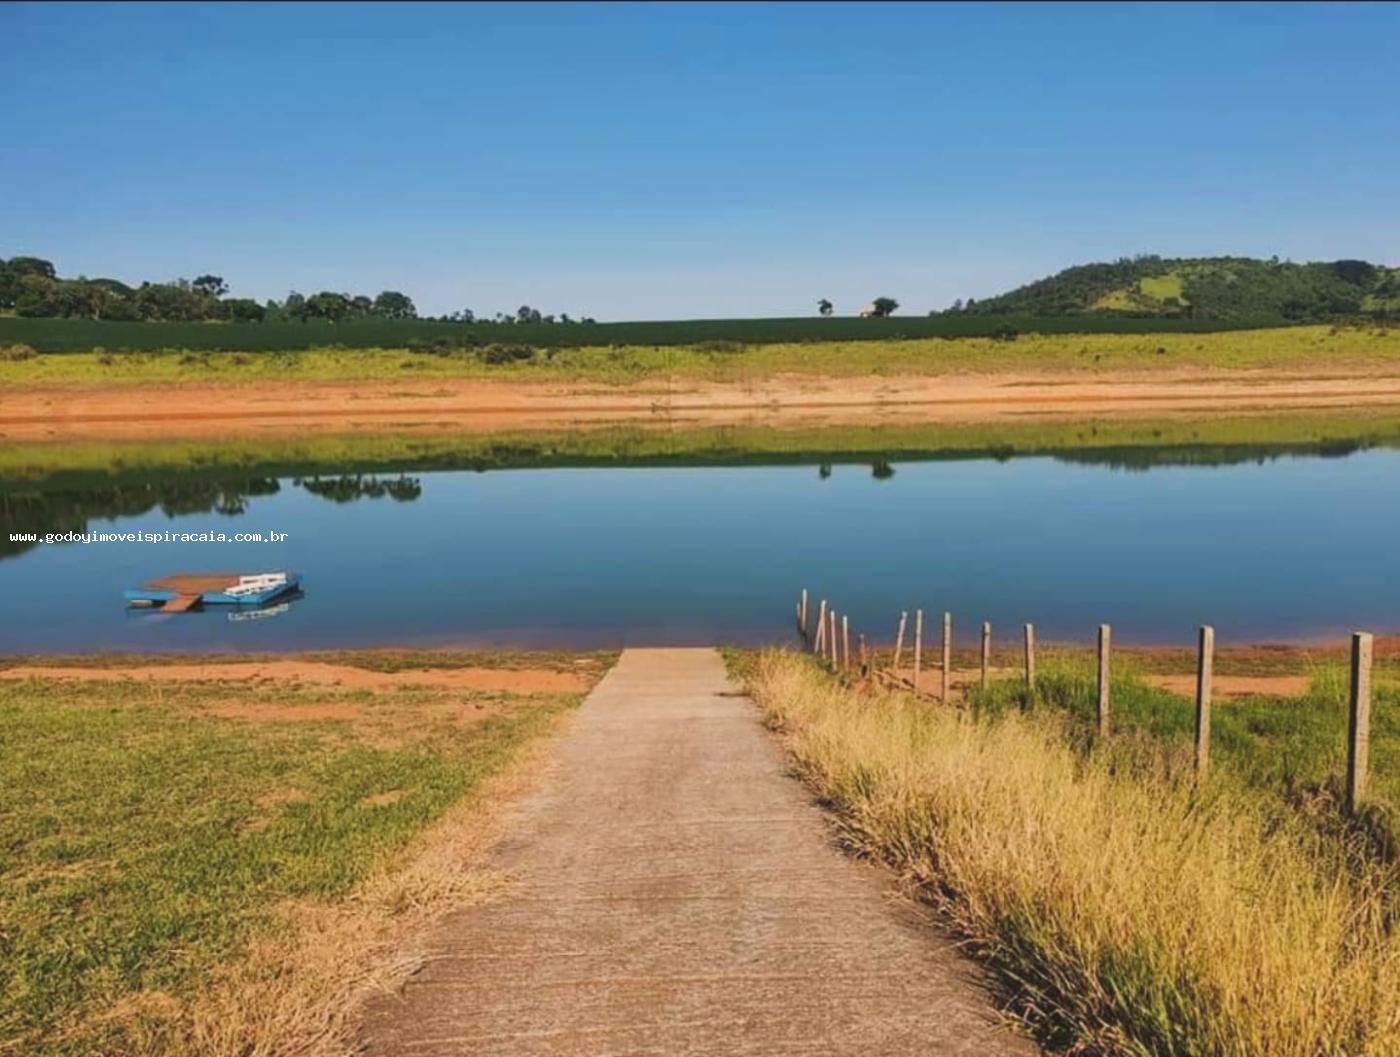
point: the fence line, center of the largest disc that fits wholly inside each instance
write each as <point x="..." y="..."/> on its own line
<point x="836" y="652"/>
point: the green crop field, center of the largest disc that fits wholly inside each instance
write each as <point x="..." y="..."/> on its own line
<point x="82" y="335"/>
<point x="1305" y="347"/>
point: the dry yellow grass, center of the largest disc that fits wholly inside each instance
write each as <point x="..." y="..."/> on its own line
<point x="1125" y="913"/>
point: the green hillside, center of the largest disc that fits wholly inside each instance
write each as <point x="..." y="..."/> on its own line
<point x="1221" y="288"/>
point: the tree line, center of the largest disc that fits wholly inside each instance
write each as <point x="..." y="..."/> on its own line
<point x="31" y="287"/>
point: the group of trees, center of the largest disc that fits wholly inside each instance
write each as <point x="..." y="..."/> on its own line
<point x="878" y="308"/>
<point x="337" y="308"/>
<point x="29" y="286"/>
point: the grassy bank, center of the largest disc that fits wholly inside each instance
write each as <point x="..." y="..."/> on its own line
<point x="196" y="868"/>
<point x="1295" y="746"/>
<point x="1125" y="443"/>
<point x="1122" y="911"/>
<point x="1317" y="347"/>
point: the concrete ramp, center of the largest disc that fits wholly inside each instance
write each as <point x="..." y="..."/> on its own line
<point x="678" y="895"/>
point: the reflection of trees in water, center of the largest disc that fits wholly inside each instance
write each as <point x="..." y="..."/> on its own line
<point x="1141" y="459"/>
<point x="70" y="510"/>
<point x="880" y="469"/>
<point x="44" y="512"/>
<point x="350" y="487"/>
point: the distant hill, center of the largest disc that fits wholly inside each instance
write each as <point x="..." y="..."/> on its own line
<point x="1223" y="288"/>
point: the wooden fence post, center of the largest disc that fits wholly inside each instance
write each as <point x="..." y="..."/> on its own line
<point x="802" y="613"/>
<point x="947" y="655"/>
<point x="845" y="642"/>
<point x="1105" y="640"/>
<point x="986" y="650"/>
<point x="1359" y="719"/>
<point x="820" y="638"/>
<point x="1030" y="659"/>
<point x="864" y="658"/>
<point x="831" y="635"/>
<point x="899" y="640"/>
<point x="918" y="645"/>
<point x="1205" y="673"/>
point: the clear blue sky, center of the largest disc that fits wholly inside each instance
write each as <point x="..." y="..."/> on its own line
<point x="672" y="161"/>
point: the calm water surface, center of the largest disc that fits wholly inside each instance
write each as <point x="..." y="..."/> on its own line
<point x="1290" y="548"/>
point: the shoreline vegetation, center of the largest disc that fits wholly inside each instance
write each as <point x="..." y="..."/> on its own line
<point x="1242" y="917"/>
<point x="514" y="358"/>
<point x="1127" y="444"/>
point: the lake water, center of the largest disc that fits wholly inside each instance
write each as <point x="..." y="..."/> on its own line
<point x="1299" y="547"/>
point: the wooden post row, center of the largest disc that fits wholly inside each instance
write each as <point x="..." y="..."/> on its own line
<point x="1105" y="640"/>
<point x="1205" y="675"/>
<point x="1359" y="719"/>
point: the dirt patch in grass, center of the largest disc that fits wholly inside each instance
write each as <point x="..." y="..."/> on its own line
<point x="319" y="673"/>
<point x="260" y="712"/>
<point x="278" y="797"/>
<point x="393" y="796"/>
<point x="1235" y="685"/>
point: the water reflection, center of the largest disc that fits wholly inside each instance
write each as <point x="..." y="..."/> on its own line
<point x="1279" y="542"/>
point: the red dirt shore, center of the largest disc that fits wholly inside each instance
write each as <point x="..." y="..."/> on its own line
<point x="317" y="673"/>
<point x="208" y="409"/>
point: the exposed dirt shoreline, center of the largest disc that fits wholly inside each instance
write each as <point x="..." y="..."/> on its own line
<point x="209" y="409"/>
<point x="1246" y="667"/>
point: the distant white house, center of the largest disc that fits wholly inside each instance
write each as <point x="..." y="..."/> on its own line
<point x="868" y="312"/>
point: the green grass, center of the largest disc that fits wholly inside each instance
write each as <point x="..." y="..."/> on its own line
<point x="146" y="839"/>
<point x="1293" y="347"/>
<point x="1291" y="745"/>
<point x="1161" y="287"/>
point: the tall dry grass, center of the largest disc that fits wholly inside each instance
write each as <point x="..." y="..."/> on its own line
<point x="1124" y="913"/>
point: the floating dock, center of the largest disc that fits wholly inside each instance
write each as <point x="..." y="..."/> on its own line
<point x="183" y="592"/>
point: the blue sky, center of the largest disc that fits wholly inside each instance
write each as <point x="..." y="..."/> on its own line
<point x="689" y="160"/>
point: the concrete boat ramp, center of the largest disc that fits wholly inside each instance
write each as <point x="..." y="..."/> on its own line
<point x="679" y="894"/>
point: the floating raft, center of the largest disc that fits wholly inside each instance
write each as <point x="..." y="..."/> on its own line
<point x="185" y="591"/>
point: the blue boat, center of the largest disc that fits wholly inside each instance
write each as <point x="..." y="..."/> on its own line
<point x="184" y="591"/>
